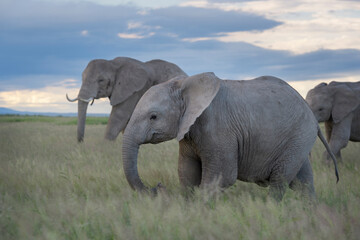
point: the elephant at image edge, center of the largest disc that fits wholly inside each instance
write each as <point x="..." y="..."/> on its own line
<point x="259" y="131"/>
<point x="338" y="105"/>
<point x="123" y="80"/>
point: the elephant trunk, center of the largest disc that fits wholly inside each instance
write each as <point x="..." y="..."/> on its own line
<point x="82" y="107"/>
<point x="130" y="151"/>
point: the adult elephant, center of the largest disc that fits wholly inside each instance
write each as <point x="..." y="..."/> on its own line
<point x="123" y="80"/>
<point x="258" y="131"/>
<point x="338" y="105"/>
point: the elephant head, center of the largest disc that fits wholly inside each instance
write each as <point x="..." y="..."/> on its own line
<point x="332" y="101"/>
<point x="123" y="81"/>
<point x="166" y="111"/>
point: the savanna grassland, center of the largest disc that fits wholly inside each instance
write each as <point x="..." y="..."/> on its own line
<point x="52" y="187"/>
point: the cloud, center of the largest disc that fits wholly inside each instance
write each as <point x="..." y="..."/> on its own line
<point x="184" y="21"/>
<point x="233" y="60"/>
<point x="33" y="81"/>
<point x="84" y="32"/>
<point x="189" y="22"/>
<point x="134" y="35"/>
<point x="303" y="36"/>
<point x="229" y="1"/>
<point x="143" y="3"/>
<point x="130" y="36"/>
<point x="240" y="60"/>
<point x="42" y="38"/>
<point x="132" y="25"/>
<point x="43" y="42"/>
<point x="67" y="83"/>
<point x="49" y="99"/>
<point x="58" y="15"/>
<point x="306" y="25"/>
<point x="137" y="30"/>
<point x="139" y="25"/>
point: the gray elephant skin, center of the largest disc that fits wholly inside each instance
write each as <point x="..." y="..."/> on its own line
<point x="123" y="80"/>
<point x="338" y="105"/>
<point x="258" y="130"/>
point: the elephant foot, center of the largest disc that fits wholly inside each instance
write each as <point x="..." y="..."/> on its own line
<point x="159" y="189"/>
<point x="110" y="138"/>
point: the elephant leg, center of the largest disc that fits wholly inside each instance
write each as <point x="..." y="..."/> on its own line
<point x="340" y="136"/>
<point x="328" y="130"/>
<point x="277" y="183"/>
<point x="189" y="167"/>
<point x="286" y="169"/>
<point x="115" y="124"/>
<point x="338" y="156"/>
<point x="304" y="181"/>
<point x="220" y="167"/>
<point x="336" y="144"/>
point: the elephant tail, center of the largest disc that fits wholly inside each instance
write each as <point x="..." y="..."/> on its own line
<point x="321" y="136"/>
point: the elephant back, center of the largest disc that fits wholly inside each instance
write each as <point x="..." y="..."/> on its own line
<point x="164" y="71"/>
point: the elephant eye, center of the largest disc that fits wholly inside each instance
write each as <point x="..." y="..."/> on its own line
<point x="153" y="117"/>
<point x="320" y="109"/>
<point x="101" y="80"/>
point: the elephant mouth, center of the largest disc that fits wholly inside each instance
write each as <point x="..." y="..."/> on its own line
<point x="158" y="137"/>
<point x="156" y="141"/>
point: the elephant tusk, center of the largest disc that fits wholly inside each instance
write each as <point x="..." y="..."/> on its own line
<point x="92" y="102"/>
<point x="71" y="100"/>
<point x="86" y="100"/>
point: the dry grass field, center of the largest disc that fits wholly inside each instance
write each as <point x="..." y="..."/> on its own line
<point x="52" y="187"/>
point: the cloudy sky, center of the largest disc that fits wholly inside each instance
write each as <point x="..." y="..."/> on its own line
<point x="46" y="44"/>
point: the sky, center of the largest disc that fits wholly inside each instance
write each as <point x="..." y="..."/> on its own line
<point x="46" y="44"/>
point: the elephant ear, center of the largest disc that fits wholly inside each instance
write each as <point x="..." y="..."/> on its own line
<point x="197" y="92"/>
<point x="345" y="101"/>
<point x="130" y="78"/>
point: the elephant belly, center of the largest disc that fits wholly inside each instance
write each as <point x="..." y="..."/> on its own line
<point x="263" y="182"/>
<point x="259" y="176"/>
<point x="355" y="137"/>
<point x="355" y="127"/>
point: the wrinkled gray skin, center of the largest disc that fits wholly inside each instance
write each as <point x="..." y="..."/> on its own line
<point x="338" y="105"/>
<point x="259" y="131"/>
<point x="123" y="80"/>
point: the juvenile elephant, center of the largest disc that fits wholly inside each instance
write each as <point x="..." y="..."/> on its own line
<point x="338" y="105"/>
<point x="259" y="131"/>
<point x="123" y="80"/>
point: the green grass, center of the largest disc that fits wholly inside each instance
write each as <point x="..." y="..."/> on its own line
<point x="51" y="187"/>
<point x="57" y="120"/>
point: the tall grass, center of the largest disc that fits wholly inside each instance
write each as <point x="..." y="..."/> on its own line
<point x="51" y="187"/>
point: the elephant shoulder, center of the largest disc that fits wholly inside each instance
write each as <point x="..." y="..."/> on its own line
<point x="273" y="83"/>
<point x="156" y="61"/>
<point x="356" y="87"/>
<point x="164" y="66"/>
<point x="271" y="80"/>
<point x="163" y="70"/>
<point x="123" y="60"/>
<point x="263" y="82"/>
<point x="352" y="85"/>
